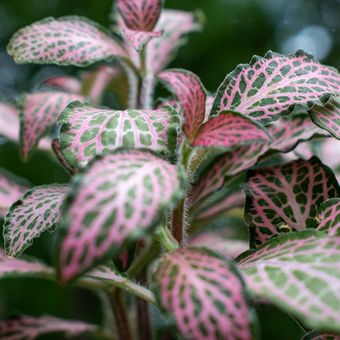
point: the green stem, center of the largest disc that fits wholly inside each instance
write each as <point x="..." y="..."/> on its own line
<point x="165" y="238"/>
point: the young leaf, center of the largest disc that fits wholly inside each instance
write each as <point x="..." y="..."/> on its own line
<point x="228" y="164"/>
<point x="327" y="116"/>
<point x="118" y="198"/>
<point x="40" y="112"/>
<point x="192" y="96"/>
<point x="175" y="25"/>
<point x="204" y="294"/>
<point x="87" y="131"/>
<point x="299" y="272"/>
<point x="11" y="189"/>
<point x="288" y="132"/>
<point x="29" y="328"/>
<point x="21" y="268"/>
<point x="286" y="197"/>
<point x="69" y="40"/>
<point x="9" y="122"/>
<point x="314" y="335"/>
<point x="37" y="211"/>
<point x="64" y="83"/>
<point x="271" y="86"/>
<point x="329" y="216"/>
<point x="229" y="130"/>
<point x="137" y="39"/>
<point x="140" y="15"/>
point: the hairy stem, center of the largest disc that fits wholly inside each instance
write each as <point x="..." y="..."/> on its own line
<point x="120" y="313"/>
<point x="165" y="238"/>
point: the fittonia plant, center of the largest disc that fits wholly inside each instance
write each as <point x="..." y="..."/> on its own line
<point x="149" y="178"/>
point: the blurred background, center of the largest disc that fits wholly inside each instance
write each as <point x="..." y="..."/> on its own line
<point x="235" y="30"/>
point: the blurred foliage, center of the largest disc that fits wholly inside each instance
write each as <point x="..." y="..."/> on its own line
<point x="234" y="31"/>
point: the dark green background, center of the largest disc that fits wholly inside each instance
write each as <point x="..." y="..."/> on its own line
<point x="234" y="31"/>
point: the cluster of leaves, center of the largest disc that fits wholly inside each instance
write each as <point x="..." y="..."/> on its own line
<point x="162" y="172"/>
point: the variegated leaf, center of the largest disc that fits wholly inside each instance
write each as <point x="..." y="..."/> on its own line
<point x="329" y="216"/>
<point x="327" y="116"/>
<point x="135" y="38"/>
<point x="230" y="130"/>
<point x="87" y="131"/>
<point x="299" y="272"/>
<point x="22" y="268"/>
<point x="219" y="241"/>
<point x="286" y="197"/>
<point x="11" y="189"/>
<point x="140" y="15"/>
<point x="191" y="95"/>
<point x="37" y="211"/>
<point x="64" y="83"/>
<point x="175" y="25"/>
<point x="271" y="86"/>
<point x="227" y="164"/>
<point x="314" y="335"/>
<point x="39" y="113"/>
<point x="118" y="198"/>
<point x="288" y="132"/>
<point x="204" y="294"/>
<point x="69" y="40"/>
<point x="9" y="122"/>
<point x="30" y="328"/>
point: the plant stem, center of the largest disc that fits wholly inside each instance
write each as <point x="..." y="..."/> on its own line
<point x="120" y="313"/>
<point x="165" y="238"/>
<point x="178" y="222"/>
<point x="143" y="317"/>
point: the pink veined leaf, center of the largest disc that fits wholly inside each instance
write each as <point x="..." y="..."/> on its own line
<point x="37" y="211"/>
<point x="191" y="95"/>
<point x="314" y="335"/>
<point x="327" y="116"/>
<point x="288" y="132"/>
<point x="87" y="131"/>
<point x="230" y="130"/>
<point x="175" y="25"/>
<point x="329" y="153"/>
<point x="15" y="267"/>
<point x="60" y="157"/>
<point x="228" y="164"/>
<point x="9" y="122"/>
<point x="329" y="216"/>
<point x="208" y="106"/>
<point x="40" y="112"/>
<point x="121" y="195"/>
<point x="135" y="38"/>
<point x="30" y="328"/>
<point x="300" y="273"/>
<point x="204" y="294"/>
<point x="272" y="86"/>
<point x="11" y="189"/>
<point x="286" y="197"/>
<point x="69" y="40"/>
<point x="140" y="15"/>
<point x="219" y="242"/>
<point x="64" y="83"/>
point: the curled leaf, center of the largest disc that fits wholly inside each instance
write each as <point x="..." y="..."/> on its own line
<point x="204" y="294"/>
<point x="118" y="198"/>
<point x="64" y="83"/>
<point x="191" y="95"/>
<point x="37" y="211"/>
<point x="69" y="40"/>
<point x="272" y="86"/>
